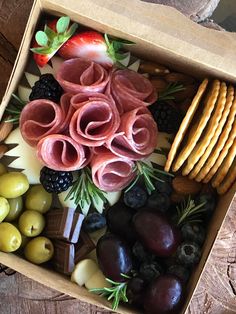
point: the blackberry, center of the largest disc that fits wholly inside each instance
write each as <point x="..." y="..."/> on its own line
<point x="179" y="271"/>
<point x="193" y="232"/>
<point x="46" y="87"/>
<point x="150" y="270"/>
<point x="167" y="117"/>
<point x="55" y="181"/>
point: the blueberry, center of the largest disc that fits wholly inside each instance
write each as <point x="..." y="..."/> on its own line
<point x="140" y="254"/>
<point x="93" y="222"/>
<point x="179" y="271"/>
<point x="188" y="253"/>
<point x="164" y="187"/>
<point x="150" y="270"/>
<point x="193" y="232"/>
<point x="136" y="197"/>
<point x="210" y="203"/>
<point x="159" y="201"/>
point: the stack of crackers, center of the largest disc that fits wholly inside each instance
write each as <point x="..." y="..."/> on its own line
<point x="204" y="148"/>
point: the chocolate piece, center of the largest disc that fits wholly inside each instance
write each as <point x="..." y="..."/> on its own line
<point x="76" y="227"/>
<point x="64" y="257"/>
<point x="59" y="223"/>
<point x="84" y="246"/>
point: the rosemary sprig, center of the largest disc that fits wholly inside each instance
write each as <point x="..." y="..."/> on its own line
<point x="84" y="192"/>
<point x="14" y="109"/>
<point x="188" y="211"/>
<point x="148" y="174"/>
<point x="117" y="291"/>
<point x="171" y="89"/>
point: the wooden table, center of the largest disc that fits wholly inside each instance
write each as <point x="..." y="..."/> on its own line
<point x="216" y="292"/>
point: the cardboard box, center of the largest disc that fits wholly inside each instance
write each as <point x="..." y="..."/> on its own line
<point x="161" y="34"/>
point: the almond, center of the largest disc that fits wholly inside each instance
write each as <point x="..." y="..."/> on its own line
<point x="153" y="68"/>
<point x="175" y="77"/>
<point x="159" y="84"/>
<point x="3" y="150"/>
<point x="185" y="186"/>
<point x="5" y="129"/>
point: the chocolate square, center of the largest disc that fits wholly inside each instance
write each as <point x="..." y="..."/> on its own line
<point x="76" y="227"/>
<point x="64" y="257"/>
<point x="84" y="246"/>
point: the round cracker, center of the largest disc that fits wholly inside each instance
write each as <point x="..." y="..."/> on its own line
<point x="206" y="138"/>
<point x="228" y="181"/>
<point x="196" y="172"/>
<point x="224" y="167"/>
<point x="220" y="151"/>
<point x="209" y="105"/>
<point x="185" y="124"/>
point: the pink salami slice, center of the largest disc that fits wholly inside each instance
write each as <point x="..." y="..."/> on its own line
<point x="136" y="137"/>
<point x="110" y="172"/>
<point x="62" y="153"/>
<point x="40" y="118"/>
<point x="95" y="120"/>
<point x="130" y="90"/>
<point x="67" y="109"/>
<point x="81" y="75"/>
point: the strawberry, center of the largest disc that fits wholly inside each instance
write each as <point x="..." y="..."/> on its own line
<point x="93" y="46"/>
<point x="47" y="42"/>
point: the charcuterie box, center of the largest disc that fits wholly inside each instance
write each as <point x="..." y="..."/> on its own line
<point x="163" y="35"/>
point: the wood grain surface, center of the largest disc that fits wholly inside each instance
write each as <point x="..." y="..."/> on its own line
<point x="216" y="293"/>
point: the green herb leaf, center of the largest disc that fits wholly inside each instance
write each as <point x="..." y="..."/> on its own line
<point x="49" y="32"/>
<point x="84" y="192"/>
<point x="71" y="30"/>
<point x="117" y="292"/>
<point x="41" y="38"/>
<point x="148" y="174"/>
<point x="168" y="93"/>
<point x="188" y="211"/>
<point x="14" y="109"/>
<point x="62" y="24"/>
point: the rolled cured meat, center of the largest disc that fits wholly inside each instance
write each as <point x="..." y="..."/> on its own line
<point x="67" y="109"/>
<point x="136" y="137"/>
<point x="110" y="172"/>
<point x="130" y="90"/>
<point x="81" y="75"/>
<point x="95" y="119"/>
<point x="62" y="153"/>
<point x="40" y="118"/>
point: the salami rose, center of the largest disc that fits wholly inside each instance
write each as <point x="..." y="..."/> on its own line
<point x="67" y="109"/>
<point x="110" y="172"/>
<point x="95" y="119"/>
<point x="81" y="75"/>
<point x="40" y="118"/>
<point x="130" y="90"/>
<point x="136" y="137"/>
<point x="62" y="153"/>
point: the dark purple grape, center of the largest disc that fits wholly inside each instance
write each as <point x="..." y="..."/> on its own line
<point x="94" y="222"/>
<point x="136" y="197"/>
<point x="193" y="232"/>
<point x="179" y="271"/>
<point x="114" y="257"/>
<point x="150" y="270"/>
<point x="159" y="201"/>
<point x="119" y="221"/>
<point x="156" y="233"/>
<point x="164" y="295"/>
<point x="135" y="290"/>
<point x="188" y="253"/>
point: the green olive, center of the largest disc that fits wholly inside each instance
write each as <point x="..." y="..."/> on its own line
<point x="4" y="208"/>
<point x="10" y="237"/>
<point x="31" y="223"/>
<point x="16" y="207"/>
<point x="13" y="184"/>
<point x="38" y="199"/>
<point x="39" y="250"/>
<point x="3" y="169"/>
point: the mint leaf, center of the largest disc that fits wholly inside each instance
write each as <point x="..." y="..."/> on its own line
<point x="41" y="38"/>
<point x="71" y="30"/>
<point x="49" y="32"/>
<point x="62" y="24"/>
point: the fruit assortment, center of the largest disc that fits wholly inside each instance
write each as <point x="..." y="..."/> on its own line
<point x="91" y="198"/>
